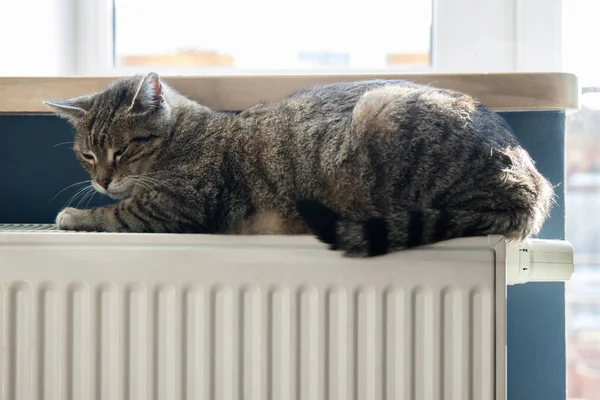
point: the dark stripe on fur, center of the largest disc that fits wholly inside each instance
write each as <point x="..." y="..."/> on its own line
<point x="120" y="220"/>
<point x="320" y="219"/>
<point x="416" y="147"/>
<point x="181" y="213"/>
<point x="92" y="123"/>
<point x="416" y="226"/>
<point x="155" y="213"/>
<point x="147" y="227"/>
<point x="140" y="154"/>
<point x="442" y="225"/>
<point x="376" y="231"/>
<point x="446" y="131"/>
<point x="116" y="106"/>
<point x="481" y="226"/>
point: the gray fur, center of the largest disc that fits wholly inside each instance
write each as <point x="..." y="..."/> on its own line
<point x="368" y="167"/>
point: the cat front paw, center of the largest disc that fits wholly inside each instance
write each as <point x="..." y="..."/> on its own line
<point x="70" y="219"/>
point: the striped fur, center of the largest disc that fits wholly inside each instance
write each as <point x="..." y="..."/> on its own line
<point x="368" y="167"/>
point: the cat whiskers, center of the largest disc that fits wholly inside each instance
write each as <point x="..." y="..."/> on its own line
<point x="144" y="183"/>
<point x="68" y="187"/>
<point x="87" y="196"/>
<point x="150" y="186"/>
<point x="63" y="143"/>
<point x="81" y="192"/>
<point x="149" y="183"/>
<point x="90" y="199"/>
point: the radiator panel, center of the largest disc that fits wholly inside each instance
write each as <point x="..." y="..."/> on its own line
<point x="132" y="321"/>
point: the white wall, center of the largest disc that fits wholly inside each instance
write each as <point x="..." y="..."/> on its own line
<point x="35" y="38"/>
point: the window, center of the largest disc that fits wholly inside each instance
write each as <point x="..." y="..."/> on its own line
<point x="267" y="36"/>
<point x="118" y="37"/>
<point x="272" y="34"/>
<point x="583" y="231"/>
<point x="583" y="203"/>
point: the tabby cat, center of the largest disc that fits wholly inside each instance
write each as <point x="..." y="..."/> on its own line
<point x="367" y="167"/>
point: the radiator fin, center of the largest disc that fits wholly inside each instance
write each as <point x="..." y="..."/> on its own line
<point x="481" y="331"/>
<point x="164" y="341"/>
<point x="309" y="349"/>
<point x="454" y="344"/>
<point x="106" y="349"/>
<point x="49" y="333"/>
<point x="21" y="323"/>
<point x="338" y="344"/>
<point x="397" y="353"/>
<point x="251" y="331"/>
<point x="134" y="322"/>
<point x="79" y="337"/>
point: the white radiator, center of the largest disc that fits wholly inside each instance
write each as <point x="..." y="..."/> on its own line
<point x="194" y="317"/>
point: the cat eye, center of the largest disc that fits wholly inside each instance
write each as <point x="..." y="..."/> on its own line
<point x="88" y="156"/>
<point x="141" y="139"/>
<point x="120" y="152"/>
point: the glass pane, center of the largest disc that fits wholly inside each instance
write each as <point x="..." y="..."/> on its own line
<point x="273" y="34"/>
<point x="583" y="231"/>
<point x="583" y="203"/>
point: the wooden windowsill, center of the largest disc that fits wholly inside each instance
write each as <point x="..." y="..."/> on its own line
<point x="501" y="92"/>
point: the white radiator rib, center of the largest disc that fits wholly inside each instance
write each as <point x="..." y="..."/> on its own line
<point x="168" y="317"/>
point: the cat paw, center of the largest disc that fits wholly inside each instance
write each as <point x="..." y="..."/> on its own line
<point x="68" y="218"/>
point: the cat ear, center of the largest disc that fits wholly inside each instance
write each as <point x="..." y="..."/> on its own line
<point x="149" y="95"/>
<point x="71" y="109"/>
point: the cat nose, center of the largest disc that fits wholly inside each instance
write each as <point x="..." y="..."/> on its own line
<point x="103" y="181"/>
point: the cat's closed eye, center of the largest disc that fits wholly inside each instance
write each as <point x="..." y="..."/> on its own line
<point x="141" y="139"/>
<point x="88" y="156"/>
<point x="120" y="152"/>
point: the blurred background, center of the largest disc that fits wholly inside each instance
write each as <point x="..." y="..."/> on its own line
<point x="121" y="37"/>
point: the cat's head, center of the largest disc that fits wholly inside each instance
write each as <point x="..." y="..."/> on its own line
<point x="119" y="131"/>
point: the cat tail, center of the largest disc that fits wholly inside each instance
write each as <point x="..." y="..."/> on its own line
<point x="409" y="228"/>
